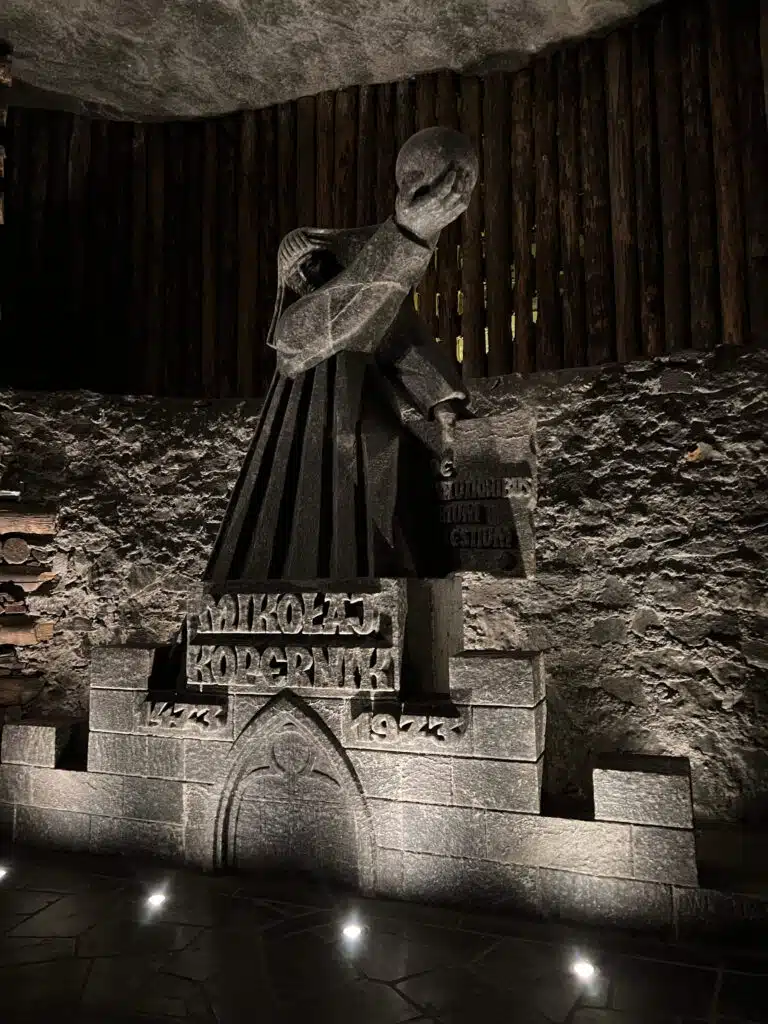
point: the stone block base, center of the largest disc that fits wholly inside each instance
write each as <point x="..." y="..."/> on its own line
<point x="437" y="804"/>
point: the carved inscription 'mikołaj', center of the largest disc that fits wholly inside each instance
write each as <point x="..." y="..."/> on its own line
<point x="314" y="639"/>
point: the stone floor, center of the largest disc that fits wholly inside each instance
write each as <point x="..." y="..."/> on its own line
<point x="79" y="943"/>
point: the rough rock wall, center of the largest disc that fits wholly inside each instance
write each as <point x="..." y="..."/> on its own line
<point x="149" y="60"/>
<point x="651" y="593"/>
<point x="140" y="487"/>
<point x="652" y="540"/>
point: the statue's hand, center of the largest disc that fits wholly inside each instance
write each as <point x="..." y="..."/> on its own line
<point x="427" y="210"/>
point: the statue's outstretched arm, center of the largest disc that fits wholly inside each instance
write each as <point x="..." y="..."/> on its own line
<point x="353" y="311"/>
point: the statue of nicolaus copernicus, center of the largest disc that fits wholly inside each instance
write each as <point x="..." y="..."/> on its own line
<point x="334" y="486"/>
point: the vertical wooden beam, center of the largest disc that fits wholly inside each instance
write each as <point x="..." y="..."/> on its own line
<point x="344" y="159"/>
<point x="91" y="372"/>
<point x="175" y="257"/>
<point x="365" y="200"/>
<point x="38" y="190"/>
<point x="386" y="154"/>
<point x="324" y="132"/>
<point x="449" y="322"/>
<point x="497" y="221"/>
<point x="139" y="346"/>
<point x="405" y="111"/>
<point x="598" y="254"/>
<point x="523" y="194"/>
<point x="194" y="147"/>
<point x="77" y="191"/>
<point x="674" y="221"/>
<point x="209" y="291"/>
<point x="286" y="168"/>
<point x="5" y="84"/>
<point x="728" y="198"/>
<point x="269" y="239"/>
<point x="306" y="162"/>
<point x="647" y="191"/>
<point x="226" y="312"/>
<point x="699" y="177"/>
<point x="472" y="269"/>
<point x="618" y="93"/>
<point x="58" y="256"/>
<point x="286" y="206"/>
<point x="569" y="184"/>
<point x="549" y="336"/>
<point x="753" y="146"/>
<point x="120" y="372"/>
<point x="425" y="87"/>
<point x="248" y="256"/>
<point x="405" y="122"/>
<point x="155" y="258"/>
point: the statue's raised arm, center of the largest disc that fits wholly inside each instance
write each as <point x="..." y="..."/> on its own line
<point x="353" y="310"/>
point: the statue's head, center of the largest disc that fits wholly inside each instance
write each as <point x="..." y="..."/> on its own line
<point x="429" y="155"/>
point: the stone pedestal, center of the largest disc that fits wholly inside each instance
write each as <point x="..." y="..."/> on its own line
<point x="435" y="797"/>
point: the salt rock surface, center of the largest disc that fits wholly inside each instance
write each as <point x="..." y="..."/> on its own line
<point x="145" y="59"/>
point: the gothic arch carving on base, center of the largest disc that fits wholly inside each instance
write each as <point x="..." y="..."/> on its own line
<point x="291" y="800"/>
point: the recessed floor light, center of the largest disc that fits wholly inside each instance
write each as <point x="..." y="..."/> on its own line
<point x="583" y="969"/>
<point x="156" y="899"/>
<point x="3" y="872"/>
<point x="352" y="931"/>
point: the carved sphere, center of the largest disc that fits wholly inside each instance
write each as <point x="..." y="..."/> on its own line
<point x="426" y="157"/>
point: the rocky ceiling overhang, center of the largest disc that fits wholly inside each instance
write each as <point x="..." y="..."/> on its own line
<point x="149" y="59"/>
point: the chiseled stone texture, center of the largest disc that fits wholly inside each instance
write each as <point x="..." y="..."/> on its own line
<point x="649" y="598"/>
<point x="498" y="677"/>
<point x="643" y="793"/>
<point x="594" y="848"/>
<point x="114" y="710"/>
<point x="430" y="877"/>
<point x="117" y="754"/>
<point x="499" y="785"/>
<point x="649" y="601"/>
<point x="154" y="800"/>
<point x="618" y="902"/>
<point x="61" y="830"/>
<point x="450" y="831"/>
<point x="86" y="792"/>
<point x="514" y="733"/>
<point x="35" y="741"/>
<point x="726" y="916"/>
<point x="121" y="667"/>
<point x="664" y="855"/>
<point x="175" y="60"/>
<point x="137" y="838"/>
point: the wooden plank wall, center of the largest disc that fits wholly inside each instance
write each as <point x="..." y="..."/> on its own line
<point x="621" y="212"/>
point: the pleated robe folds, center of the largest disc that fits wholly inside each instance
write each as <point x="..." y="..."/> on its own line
<point x="317" y="497"/>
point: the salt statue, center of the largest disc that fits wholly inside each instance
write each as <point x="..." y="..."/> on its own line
<point x="334" y="485"/>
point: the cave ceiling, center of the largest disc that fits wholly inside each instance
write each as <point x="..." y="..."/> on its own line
<point x="157" y="59"/>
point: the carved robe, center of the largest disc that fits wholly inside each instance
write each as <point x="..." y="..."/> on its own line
<point x="323" y="493"/>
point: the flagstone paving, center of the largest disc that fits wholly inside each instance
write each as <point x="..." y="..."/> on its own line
<point x="78" y="942"/>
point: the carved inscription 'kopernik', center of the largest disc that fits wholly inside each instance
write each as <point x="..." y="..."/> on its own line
<point x="273" y="640"/>
<point x="306" y="614"/>
<point x="276" y="667"/>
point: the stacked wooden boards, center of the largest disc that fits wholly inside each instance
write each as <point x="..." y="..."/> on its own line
<point x="24" y="536"/>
